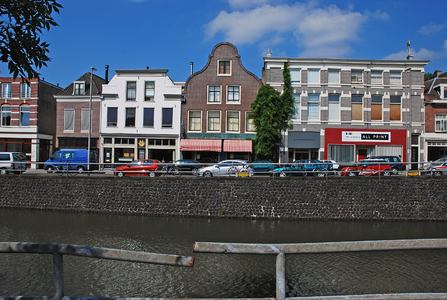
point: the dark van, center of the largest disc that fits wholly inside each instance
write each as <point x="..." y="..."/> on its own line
<point x="71" y="159"/>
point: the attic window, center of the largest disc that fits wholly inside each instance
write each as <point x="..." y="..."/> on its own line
<point x="224" y="68"/>
<point x="79" y="88"/>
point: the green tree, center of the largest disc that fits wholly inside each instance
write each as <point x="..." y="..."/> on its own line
<point x="21" y="25"/>
<point x="428" y="76"/>
<point x="265" y="118"/>
<point x="286" y="106"/>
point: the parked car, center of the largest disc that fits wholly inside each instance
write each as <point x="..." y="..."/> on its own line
<point x="12" y="162"/>
<point x="368" y="167"/>
<point x="140" y="167"/>
<point x="263" y="166"/>
<point x="333" y="165"/>
<point x="71" y="159"/>
<point x="303" y="167"/>
<point x="439" y="170"/>
<point x="224" y="168"/>
<point x="394" y="161"/>
<point x="186" y="166"/>
<point x="427" y="167"/>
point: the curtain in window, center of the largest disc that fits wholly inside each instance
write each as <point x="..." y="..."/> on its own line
<point x="6" y="90"/>
<point x="341" y="153"/>
<point x="148" y="117"/>
<point x="166" y="117"/>
<point x="213" y="121"/>
<point x="395" y="108"/>
<point x="313" y="107"/>
<point x="389" y="150"/>
<point x="131" y="90"/>
<point x="194" y="121"/>
<point x="233" y="121"/>
<point x="85" y="122"/>
<point x="376" y="77"/>
<point x="395" y="78"/>
<point x="440" y="123"/>
<point x="356" y="108"/>
<point x="150" y="90"/>
<point x="250" y="125"/>
<point x="334" y="108"/>
<point x="69" y="119"/>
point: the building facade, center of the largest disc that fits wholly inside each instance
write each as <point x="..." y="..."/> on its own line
<point x="28" y="118"/>
<point x="73" y="112"/>
<point x="350" y="109"/>
<point x="140" y="117"/>
<point x="435" y="136"/>
<point x="214" y="116"/>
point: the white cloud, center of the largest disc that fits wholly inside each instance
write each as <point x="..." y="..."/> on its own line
<point x="431" y="28"/>
<point x="379" y="15"/>
<point x="422" y="54"/>
<point x="238" y="4"/>
<point x="322" y="31"/>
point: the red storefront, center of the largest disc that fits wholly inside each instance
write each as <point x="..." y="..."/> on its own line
<point x="348" y="145"/>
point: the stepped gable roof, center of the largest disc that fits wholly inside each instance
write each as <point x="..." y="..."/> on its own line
<point x="96" y="87"/>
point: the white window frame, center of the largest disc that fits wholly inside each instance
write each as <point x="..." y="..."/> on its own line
<point x="440" y="122"/>
<point x="218" y="67"/>
<point x="249" y="123"/>
<point x="396" y="104"/>
<point x="199" y="124"/>
<point x="377" y="77"/>
<point x="373" y="103"/>
<point x="356" y="76"/>
<point x="5" y="113"/>
<point x="208" y="94"/>
<point x="333" y="104"/>
<point x="24" y="112"/>
<point x="238" y="101"/>
<point x="107" y="120"/>
<point x="149" y="93"/>
<point x="295" y="75"/>
<point x="25" y="90"/>
<point x="314" y="73"/>
<point x="81" y="89"/>
<point x="69" y="129"/>
<point x="333" y="75"/>
<point x="233" y="113"/>
<point x="363" y="109"/>
<point x="208" y="121"/>
<point x="6" y="90"/>
<point x="84" y="122"/>
<point x="297" y="106"/>
<point x="313" y="102"/>
<point x="127" y="91"/>
<point x="395" y="78"/>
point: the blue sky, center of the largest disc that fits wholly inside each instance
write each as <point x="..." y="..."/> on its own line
<point x="169" y="34"/>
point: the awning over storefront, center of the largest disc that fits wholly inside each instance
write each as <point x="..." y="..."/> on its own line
<point x="237" y="146"/>
<point x="200" y="145"/>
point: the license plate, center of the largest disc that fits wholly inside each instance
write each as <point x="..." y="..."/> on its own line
<point x="414" y="173"/>
<point x="242" y="174"/>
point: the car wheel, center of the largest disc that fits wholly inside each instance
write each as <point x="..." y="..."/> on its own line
<point x="352" y="173"/>
<point x="437" y="173"/>
<point x="152" y="174"/>
<point x="50" y="169"/>
<point x="386" y="173"/>
<point x="395" y="171"/>
<point x="321" y="173"/>
<point x="3" y="172"/>
<point x="195" y="171"/>
<point x="80" y="169"/>
<point x="207" y="174"/>
<point x="120" y="174"/>
<point x="283" y="174"/>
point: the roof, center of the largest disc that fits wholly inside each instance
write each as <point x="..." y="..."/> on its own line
<point x="429" y="91"/>
<point x="96" y="87"/>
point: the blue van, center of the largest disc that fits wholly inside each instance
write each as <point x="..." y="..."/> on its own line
<point x="71" y="159"/>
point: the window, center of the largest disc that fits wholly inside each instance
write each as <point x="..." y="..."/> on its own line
<point x="25" y="90"/>
<point x="195" y="121"/>
<point x="130" y="117"/>
<point x="395" y="78"/>
<point x="112" y="116"/>
<point x="69" y="115"/>
<point x="85" y="124"/>
<point x="297" y="101"/>
<point x="356" y="76"/>
<point x="249" y="123"/>
<point x="166" y="117"/>
<point x="233" y="121"/>
<point x="213" y="121"/>
<point x="313" y="107"/>
<point x="314" y="76"/>
<point x="24" y="115"/>
<point x="79" y="88"/>
<point x="233" y="94"/>
<point x="295" y="75"/>
<point x="214" y="93"/>
<point x="376" y="77"/>
<point x="131" y="90"/>
<point x="333" y="76"/>
<point x="6" y="90"/>
<point x="395" y="108"/>
<point x="376" y="108"/>
<point x="356" y="108"/>
<point x="149" y="90"/>
<point x="441" y="123"/>
<point x="6" y="115"/>
<point x="224" y="67"/>
<point x="334" y="108"/>
<point x="148" y="117"/>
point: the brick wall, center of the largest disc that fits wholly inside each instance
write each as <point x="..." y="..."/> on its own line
<point x="394" y="198"/>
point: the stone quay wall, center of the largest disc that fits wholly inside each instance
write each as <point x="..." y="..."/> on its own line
<point x="358" y="198"/>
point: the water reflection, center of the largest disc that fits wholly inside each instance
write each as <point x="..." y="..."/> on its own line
<point x="215" y="276"/>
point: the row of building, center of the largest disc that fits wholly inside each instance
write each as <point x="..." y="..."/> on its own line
<point x="345" y="110"/>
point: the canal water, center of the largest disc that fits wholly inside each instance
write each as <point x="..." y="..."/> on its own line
<point x="215" y="275"/>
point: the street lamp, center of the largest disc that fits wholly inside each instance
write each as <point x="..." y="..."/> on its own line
<point x="90" y="119"/>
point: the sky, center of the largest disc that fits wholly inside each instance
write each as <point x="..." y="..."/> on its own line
<point x="169" y="34"/>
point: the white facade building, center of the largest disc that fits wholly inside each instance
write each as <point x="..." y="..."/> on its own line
<point x="140" y="117"/>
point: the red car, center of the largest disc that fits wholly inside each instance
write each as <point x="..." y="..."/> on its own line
<point x="140" y="167"/>
<point x="368" y="167"/>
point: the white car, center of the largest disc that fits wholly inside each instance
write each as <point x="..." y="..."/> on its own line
<point x="334" y="164"/>
<point x="226" y="168"/>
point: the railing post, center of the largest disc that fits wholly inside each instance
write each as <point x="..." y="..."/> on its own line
<point x="58" y="270"/>
<point x="280" y="276"/>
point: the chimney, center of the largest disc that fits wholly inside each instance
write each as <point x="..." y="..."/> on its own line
<point x="269" y="53"/>
<point x="192" y="67"/>
<point x="107" y="74"/>
<point x="437" y="73"/>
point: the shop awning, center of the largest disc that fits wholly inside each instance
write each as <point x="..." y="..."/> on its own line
<point x="200" y="145"/>
<point x="237" y="146"/>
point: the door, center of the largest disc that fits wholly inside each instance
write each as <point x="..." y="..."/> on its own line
<point x="414" y="157"/>
<point x="362" y="154"/>
<point x="107" y="157"/>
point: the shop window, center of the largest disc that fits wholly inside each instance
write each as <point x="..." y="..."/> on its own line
<point x="24" y="115"/>
<point x="395" y="108"/>
<point x="313" y="107"/>
<point x="130" y="117"/>
<point x="376" y="108"/>
<point x="107" y="140"/>
<point x="356" y="108"/>
<point x="334" y="108"/>
<point x="342" y="153"/>
<point x="69" y="115"/>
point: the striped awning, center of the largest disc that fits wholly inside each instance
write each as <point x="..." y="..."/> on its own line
<point x="237" y="146"/>
<point x="200" y="145"/>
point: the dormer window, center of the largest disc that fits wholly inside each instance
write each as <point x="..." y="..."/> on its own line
<point x="79" y="88"/>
